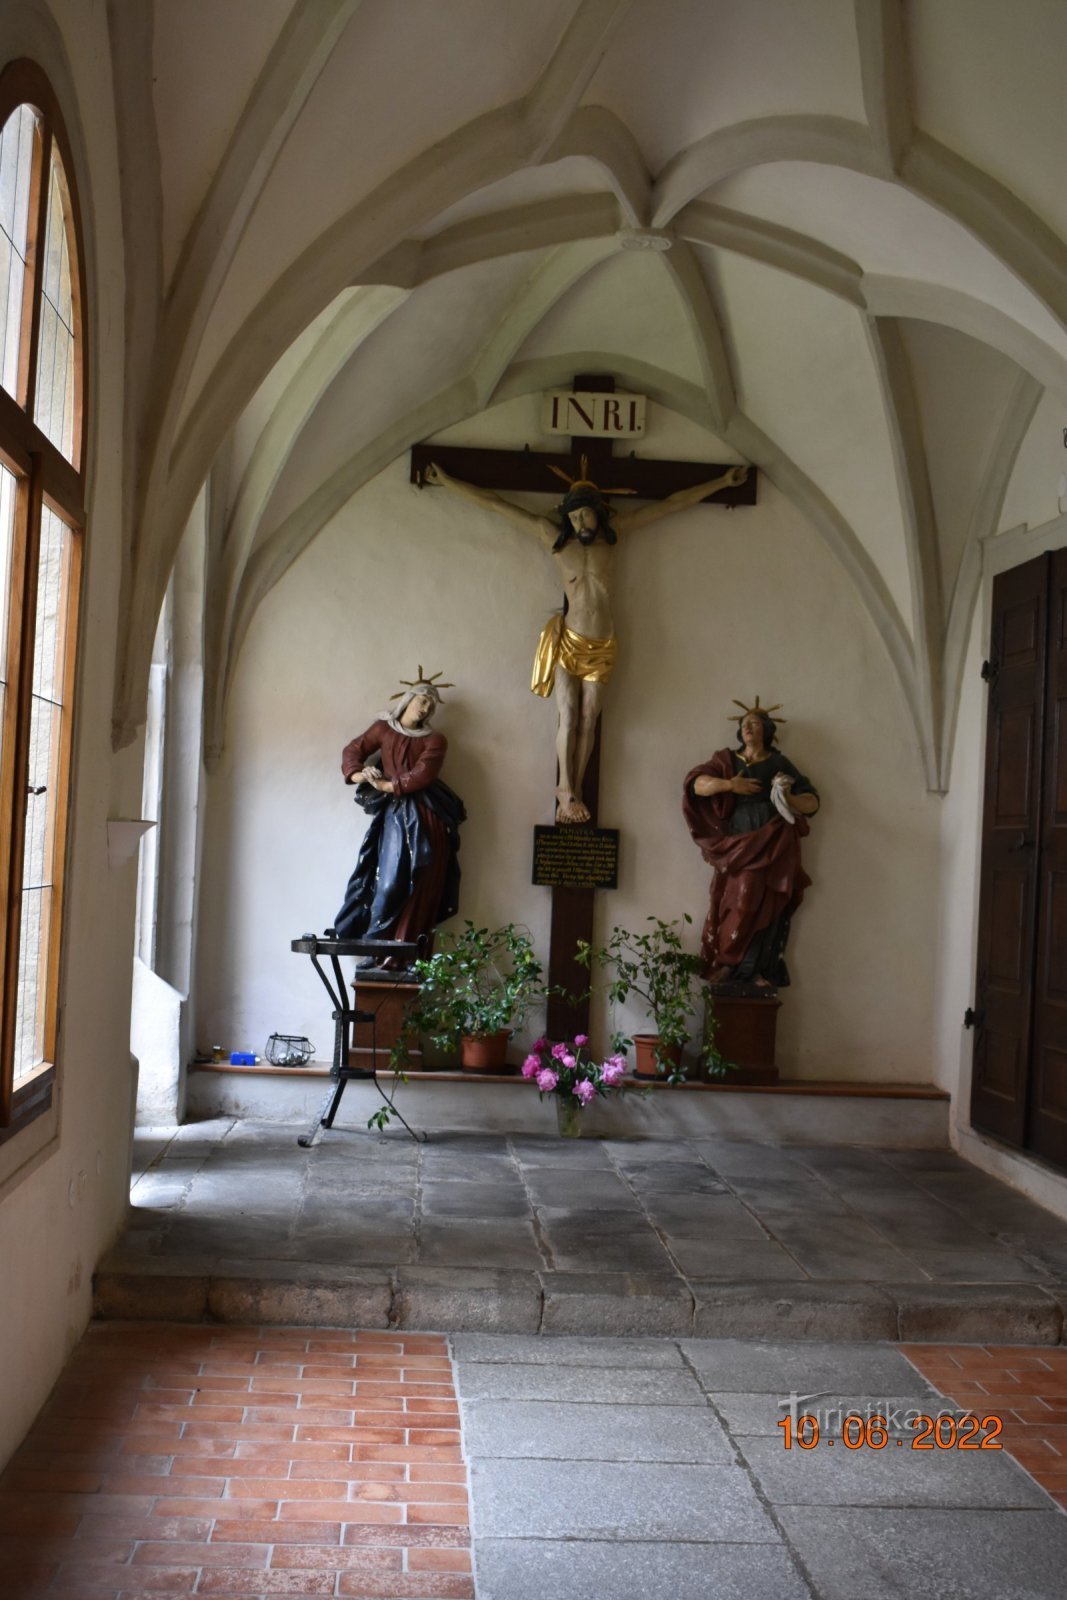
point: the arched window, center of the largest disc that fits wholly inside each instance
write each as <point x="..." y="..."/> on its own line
<point x="42" y="528"/>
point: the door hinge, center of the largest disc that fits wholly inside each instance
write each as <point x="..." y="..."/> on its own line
<point x="989" y="671"/>
<point x="972" y="1018"/>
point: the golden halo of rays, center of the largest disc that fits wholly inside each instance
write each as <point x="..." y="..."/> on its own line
<point x="585" y="482"/>
<point x="763" y="711"/>
<point x="429" y="679"/>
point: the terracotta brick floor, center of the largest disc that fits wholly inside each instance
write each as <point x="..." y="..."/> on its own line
<point x="239" y="1461"/>
<point x="1024" y="1385"/>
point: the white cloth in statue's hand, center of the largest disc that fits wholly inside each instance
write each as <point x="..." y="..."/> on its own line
<point x="780" y="786"/>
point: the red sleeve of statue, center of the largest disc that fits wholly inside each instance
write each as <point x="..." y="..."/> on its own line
<point x="707" y="816"/>
<point x="356" y="752"/>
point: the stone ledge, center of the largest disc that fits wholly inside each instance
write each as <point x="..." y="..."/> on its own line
<point x="836" y="1087"/>
<point x="475" y="1300"/>
<point x="966" y="1313"/>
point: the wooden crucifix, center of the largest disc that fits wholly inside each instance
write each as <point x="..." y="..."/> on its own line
<point x="576" y="652"/>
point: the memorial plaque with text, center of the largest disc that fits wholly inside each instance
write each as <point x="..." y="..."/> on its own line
<point x="576" y="858"/>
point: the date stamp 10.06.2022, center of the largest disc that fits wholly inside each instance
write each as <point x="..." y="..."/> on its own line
<point x="944" y="1431"/>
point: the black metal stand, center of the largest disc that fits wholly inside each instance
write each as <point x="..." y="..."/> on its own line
<point x="344" y="1017"/>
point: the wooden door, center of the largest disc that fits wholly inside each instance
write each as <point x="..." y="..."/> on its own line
<point x="1047" y="1120"/>
<point x="1007" y="913"/>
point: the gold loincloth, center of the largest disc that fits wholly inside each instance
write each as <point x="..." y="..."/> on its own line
<point x="591" y="659"/>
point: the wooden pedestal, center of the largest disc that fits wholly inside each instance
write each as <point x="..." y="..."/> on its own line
<point x="746" y="1036"/>
<point x="387" y="999"/>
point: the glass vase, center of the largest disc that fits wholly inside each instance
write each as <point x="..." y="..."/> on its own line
<point x="569" y="1117"/>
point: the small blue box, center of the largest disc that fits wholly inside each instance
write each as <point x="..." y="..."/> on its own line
<point x="242" y="1058"/>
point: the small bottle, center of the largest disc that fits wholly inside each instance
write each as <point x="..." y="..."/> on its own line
<point x="217" y="1053"/>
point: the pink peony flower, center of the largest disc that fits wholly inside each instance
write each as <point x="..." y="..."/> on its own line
<point x="567" y="1060"/>
<point x="580" y="1039"/>
<point x="584" y="1091"/>
<point x="611" y="1073"/>
<point x="539" y="1044"/>
<point x="547" y="1080"/>
<point x="530" y="1066"/>
<point x="618" y="1060"/>
<point x="559" y="1051"/>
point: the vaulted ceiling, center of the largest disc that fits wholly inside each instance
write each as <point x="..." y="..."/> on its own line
<point x="831" y="234"/>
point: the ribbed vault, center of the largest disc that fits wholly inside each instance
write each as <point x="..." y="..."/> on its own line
<point x="783" y="221"/>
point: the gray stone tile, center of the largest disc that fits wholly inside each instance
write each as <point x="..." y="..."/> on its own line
<point x="764" y="1367"/>
<point x="1045" y="1255"/>
<point x="567" y="1222"/>
<point x="569" y="1352"/>
<point x="582" y="1153"/>
<point x="732" y="1259"/>
<point x="793" y="1310"/>
<point x="615" y="1302"/>
<point x="978" y="1266"/>
<point x="467" y="1242"/>
<point x="629" y="1386"/>
<point x="452" y="1167"/>
<point x="762" y="1413"/>
<point x="641" y="1152"/>
<point x="895" y="1476"/>
<point x="617" y="1500"/>
<point x="673" y="1177"/>
<point x="702" y="1216"/>
<point x="470" y="1199"/>
<point x="527" y="1569"/>
<point x="987" y="1313"/>
<point x="592" y="1191"/>
<point x="598" y="1431"/>
<point x="876" y="1554"/>
<point x="578" y="1252"/>
<point x="747" y="1159"/>
<point x="370" y="1248"/>
<point x="866" y="1260"/>
<point x="921" y="1161"/>
<point x="357" y="1214"/>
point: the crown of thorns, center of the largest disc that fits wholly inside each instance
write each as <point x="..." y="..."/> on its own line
<point x="757" y="709"/>
<point x="423" y="681"/>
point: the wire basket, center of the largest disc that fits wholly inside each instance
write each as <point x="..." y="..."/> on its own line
<point x="289" y="1050"/>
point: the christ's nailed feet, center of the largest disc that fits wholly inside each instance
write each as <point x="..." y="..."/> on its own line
<point x="571" y="810"/>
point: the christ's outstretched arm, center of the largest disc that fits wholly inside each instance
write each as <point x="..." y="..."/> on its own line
<point x="528" y="521"/>
<point x="627" y="521"/>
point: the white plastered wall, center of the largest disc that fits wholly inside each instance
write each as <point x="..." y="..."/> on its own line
<point x="64" y="1181"/>
<point x="709" y="605"/>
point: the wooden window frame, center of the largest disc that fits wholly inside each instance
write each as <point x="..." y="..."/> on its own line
<point x="44" y="478"/>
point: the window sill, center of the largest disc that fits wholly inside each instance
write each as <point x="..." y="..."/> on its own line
<point x="31" y="1099"/>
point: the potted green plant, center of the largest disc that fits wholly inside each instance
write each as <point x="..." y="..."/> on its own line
<point x="477" y="986"/>
<point x="654" y="967"/>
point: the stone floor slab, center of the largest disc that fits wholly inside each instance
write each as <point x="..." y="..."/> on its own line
<point x="563" y="1384"/>
<point x="832" y="1475"/>
<point x="618" y="1500"/>
<point x="741" y="1366"/>
<point x="594" y="1431"/>
<point x="883" y="1554"/>
<point x="564" y="1351"/>
<point x="541" y="1569"/>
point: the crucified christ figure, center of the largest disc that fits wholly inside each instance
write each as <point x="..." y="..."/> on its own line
<point x="576" y="651"/>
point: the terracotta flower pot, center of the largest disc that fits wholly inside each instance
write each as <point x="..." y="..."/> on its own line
<point x="646" y="1064"/>
<point x="484" y="1052"/>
